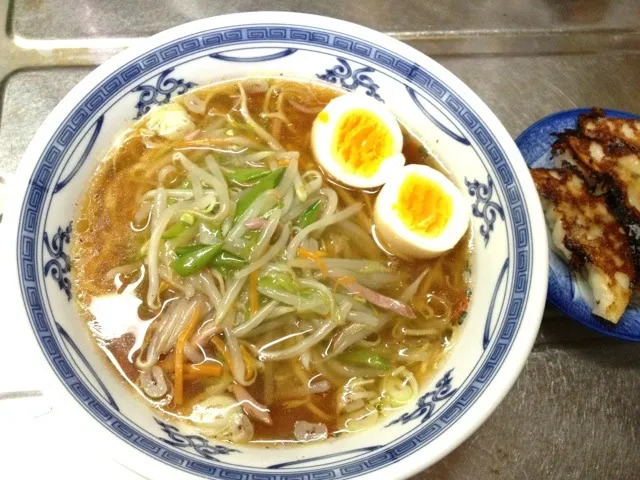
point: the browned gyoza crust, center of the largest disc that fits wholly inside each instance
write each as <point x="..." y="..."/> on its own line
<point x="607" y="163"/>
<point x="589" y="236"/>
<point x="583" y="214"/>
<point x="617" y="162"/>
<point x="561" y="150"/>
<point x="598" y="126"/>
<point x="610" y="166"/>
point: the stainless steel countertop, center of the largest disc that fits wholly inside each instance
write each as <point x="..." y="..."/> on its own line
<point x="575" y="410"/>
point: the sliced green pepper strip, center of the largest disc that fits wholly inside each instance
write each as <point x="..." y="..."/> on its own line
<point x="246" y="175"/>
<point x="310" y="215"/>
<point x="268" y="182"/>
<point x="229" y="260"/>
<point x="175" y="230"/>
<point x="366" y="358"/>
<point x="196" y="260"/>
<point x="186" y="220"/>
<point x="226" y="272"/>
<point x="180" y="251"/>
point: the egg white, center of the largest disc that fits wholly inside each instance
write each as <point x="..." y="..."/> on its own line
<point x="322" y="135"/>
<point x="403" y="241"/>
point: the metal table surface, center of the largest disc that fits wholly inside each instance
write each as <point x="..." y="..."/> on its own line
<point x="574" y="412"/>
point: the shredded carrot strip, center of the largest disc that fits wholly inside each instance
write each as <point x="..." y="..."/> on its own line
<point x="253" y="292"/>
<point x="315" y="256"/>
<point x="222" y="348"/>
<point x="249" y="363"/>
<point x="204" y="369"/>
<point x="343" y="281"/>
<point x="179" y="356"/>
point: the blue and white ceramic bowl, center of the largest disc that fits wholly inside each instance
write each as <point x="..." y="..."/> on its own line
<point x="565" y="292"/>
<point x="509" y="263"/>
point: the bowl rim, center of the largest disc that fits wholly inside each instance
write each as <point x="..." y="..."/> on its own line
<point x="533" y="308"/>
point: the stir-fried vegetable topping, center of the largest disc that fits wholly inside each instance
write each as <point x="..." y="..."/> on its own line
<point x="267" y="182"/>
<point x="366" y="358"/>
<point x="182" y="251"/>
<point x="310" y="215"/>
<point x="186" y="220"/>
<point x="246" y="175"/>
<point x="264" y="294"/>
<point x="196" y="260"/>
<point x="229" y="260"/>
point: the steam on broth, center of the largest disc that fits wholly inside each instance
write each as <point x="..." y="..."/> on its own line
<point x="238" y="287"/>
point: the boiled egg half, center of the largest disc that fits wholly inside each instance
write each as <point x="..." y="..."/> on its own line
<point x="420" y="213"/>
<point x="357" y="140"/>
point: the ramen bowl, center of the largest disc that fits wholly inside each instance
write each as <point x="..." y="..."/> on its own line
<point x="508" y="263"/>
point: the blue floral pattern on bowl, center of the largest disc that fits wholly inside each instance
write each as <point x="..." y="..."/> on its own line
<point x="351" y="79"/>
<point x="160" y="93"/>
<point x="485" y="206"/>
<point x="59" y="265"/>
<point x="427" y="402"/>
<point x="198" y="444"/>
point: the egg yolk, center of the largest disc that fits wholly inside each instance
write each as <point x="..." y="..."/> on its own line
<point x="423" y="206"/>
<point x="361" y="142"/>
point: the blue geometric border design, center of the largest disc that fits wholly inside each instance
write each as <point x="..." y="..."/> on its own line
<point x="41" y="184"/>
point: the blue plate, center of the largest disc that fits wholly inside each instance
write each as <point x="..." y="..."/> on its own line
<point x="564" y="292"/>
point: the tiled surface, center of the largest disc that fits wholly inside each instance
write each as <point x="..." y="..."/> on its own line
<point x="572" y="414"/>
<point x="28" y="97"/>
<point x="574" y="411"/>
<point x="522" y="89"/>
<point x="39" y="19"/>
